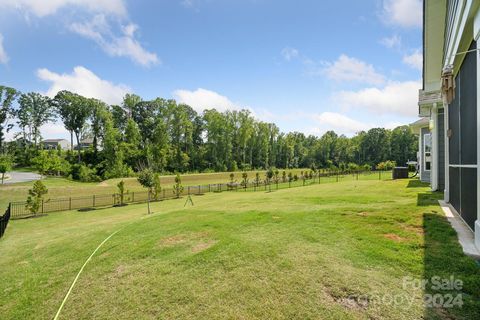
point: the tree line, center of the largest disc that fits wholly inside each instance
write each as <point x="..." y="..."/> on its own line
<point x="167" y="136"/>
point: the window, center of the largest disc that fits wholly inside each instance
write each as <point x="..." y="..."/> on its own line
<point x="427" y="151"/>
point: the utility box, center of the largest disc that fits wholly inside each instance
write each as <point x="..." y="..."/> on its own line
<point x="400" y="173"/>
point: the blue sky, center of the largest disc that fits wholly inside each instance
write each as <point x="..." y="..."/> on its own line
<point x="309" y="66"/>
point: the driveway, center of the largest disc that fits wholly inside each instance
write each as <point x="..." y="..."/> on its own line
<point x="17" y="176"/>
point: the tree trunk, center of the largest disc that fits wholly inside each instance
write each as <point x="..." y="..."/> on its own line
<point x="71" y="140"/>
<point x="148" y="202"/>
<point x="78" y="146"/>
<point x="3" y="176"/>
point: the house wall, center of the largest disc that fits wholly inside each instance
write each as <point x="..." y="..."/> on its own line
<point x="462" y="125"/>
<point x="424" y="174"/>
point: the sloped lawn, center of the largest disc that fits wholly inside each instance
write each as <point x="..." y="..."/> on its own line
<point x="348" y="250"/>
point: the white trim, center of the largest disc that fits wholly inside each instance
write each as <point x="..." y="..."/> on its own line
<point x="457" y="30"/>
<point x="434" y="150"/>
<point x="446" y="194"/>
<point x="425" y="154"/>
<point x="468" y="166"/>
<point x="419" y="155"/>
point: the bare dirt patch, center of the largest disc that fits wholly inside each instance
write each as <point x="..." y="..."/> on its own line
<point x="199" y="247"/>
<point x="394" y="237"/>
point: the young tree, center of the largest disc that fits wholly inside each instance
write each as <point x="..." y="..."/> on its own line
<point x="121" y="191"/>
<point x="269" y="175"/>
<point x="7" y="96"/>
<point x="276" y="175"/>
<point x="5" y="165"/>
<point x="157" y="186"/>
<point x="257" y="178"/>
<point x="177" y="187"/>
<point x="35" y="197"/>
<point x="290" y="179"/>
<point x="36" y="110"/>
<point x="284" y="176"/>
<point x="245" y="180"/>
<point x="146" y="179"/>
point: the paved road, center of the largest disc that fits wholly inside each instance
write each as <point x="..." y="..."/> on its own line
<point x="16" y="176"/>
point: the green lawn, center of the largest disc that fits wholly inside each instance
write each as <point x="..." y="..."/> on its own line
<point x="288" y="254"/>
<point x="61" y="187"/>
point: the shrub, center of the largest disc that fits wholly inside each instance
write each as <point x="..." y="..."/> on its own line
<point x="177" y="187"/>
<point x="35" y="197"/>
<point x="5" y="165"/>
<point x="83" y="173"/>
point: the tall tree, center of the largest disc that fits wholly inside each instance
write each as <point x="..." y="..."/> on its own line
<point x="34" y="111"/>
<point x="7" y="96"/>
<point x="74" y="110"/>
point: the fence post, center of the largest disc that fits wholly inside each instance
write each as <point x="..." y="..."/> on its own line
<point x="380" y="175"/>
<point x="337" y="176"/>
<point x="43" y="211"/>
<point x="188" y="188"/>
<point x="70" y="204"/>
<point x="93" y="201"/>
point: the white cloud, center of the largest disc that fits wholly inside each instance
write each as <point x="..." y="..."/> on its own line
<point x="202" y="99"/>
<point x="42" y="8"/>
<point x="340" y="123"/>
<point x="395" y="98"/>
<point x="352" y="69"/>
<point x="85" y="83"/>
<point x="3" y="54"/>
<point x="125" y="45"/>
<point x="415" y="60"/>
<point x="405" y="13"/>
<point x="393" y="42"/>
<point x="289" y="53"/>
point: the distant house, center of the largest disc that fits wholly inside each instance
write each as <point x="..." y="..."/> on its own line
<point x="87" y="143"/>
<point x="54" y="144"/>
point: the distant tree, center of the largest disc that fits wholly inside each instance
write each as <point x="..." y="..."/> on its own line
<point x="5" y="165"/>
<point x="35" y="197"/>
<point x="74" y="110"/>
<point x="35" y="110"/>
<point x="7" y="96"/>
<point x="177" y="187"/>
<point x="146" y="179"/>
<point x="290" y="179"/>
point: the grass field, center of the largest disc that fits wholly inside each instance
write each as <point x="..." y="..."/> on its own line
<point x="289" y="254"/>
<point x="61" y="187"/>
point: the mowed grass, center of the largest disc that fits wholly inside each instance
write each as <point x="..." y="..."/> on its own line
<point x="289" y="254"/>
<point x="61" y="187"/>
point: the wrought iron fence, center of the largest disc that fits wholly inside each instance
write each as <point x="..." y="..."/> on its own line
<point x="4" y="221"/>
<point x="18" y="210"/>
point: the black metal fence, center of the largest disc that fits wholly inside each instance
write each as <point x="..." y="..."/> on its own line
<point x="20" y="210"/>
<point x="4" y="221"/>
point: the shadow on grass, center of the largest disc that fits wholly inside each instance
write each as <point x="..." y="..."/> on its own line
<point x="416" y="183"/>
<point x="444" y="258"/>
